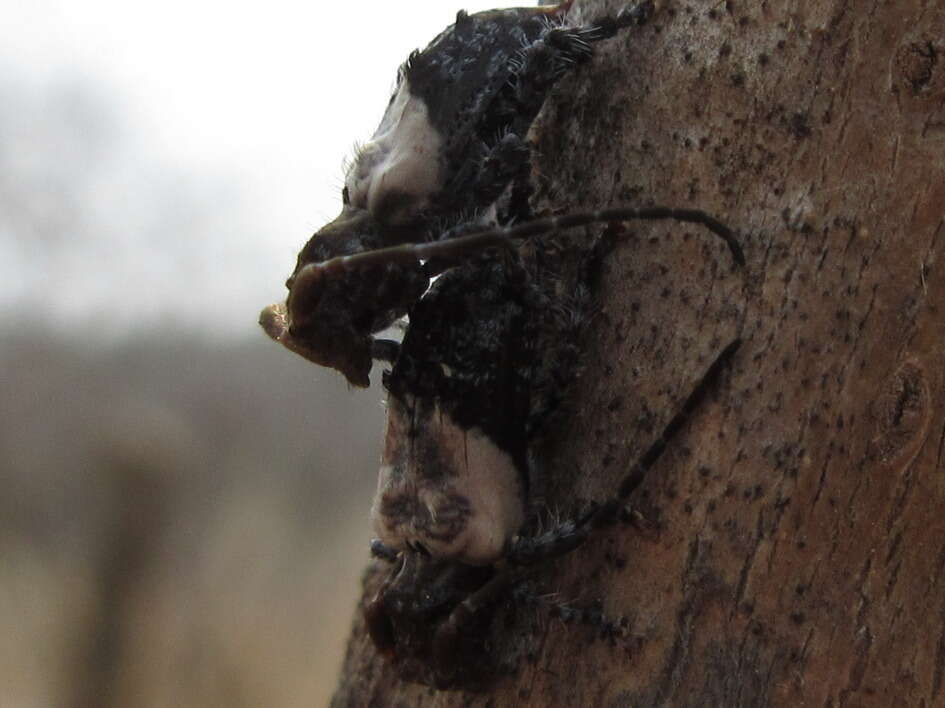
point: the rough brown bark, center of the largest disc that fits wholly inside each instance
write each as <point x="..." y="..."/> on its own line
<point x="794" y="551"/>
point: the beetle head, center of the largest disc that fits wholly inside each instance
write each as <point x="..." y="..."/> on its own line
<point x="331" y="312"/>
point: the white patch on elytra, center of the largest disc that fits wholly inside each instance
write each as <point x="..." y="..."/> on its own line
<point x="448" y="488"/>
<point x="403" y="155"/>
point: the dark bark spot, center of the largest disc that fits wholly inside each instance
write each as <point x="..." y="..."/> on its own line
<point x="901" y="413"/>
<point x="916" y="63"/>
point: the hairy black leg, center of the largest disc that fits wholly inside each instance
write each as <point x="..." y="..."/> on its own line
<point x="559" y="49"/>
<point x="571" y="534"/>
<point x="501" y="163"/>
<point x="591" y="615"/>
<point x="543" y="62"/>
<point x="448" y="634"/>
<point x="633" y="15"/>
<point x="453" y="250"/>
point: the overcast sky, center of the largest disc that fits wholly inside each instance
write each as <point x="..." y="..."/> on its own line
<point x="165" y="161"/>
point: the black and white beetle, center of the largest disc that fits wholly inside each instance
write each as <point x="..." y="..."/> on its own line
<point x="449" y="158"/>
<point x="482" y="364"/>
<point x="436" y="192"/>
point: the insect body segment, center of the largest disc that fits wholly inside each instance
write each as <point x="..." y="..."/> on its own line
<point x="446" y="490"/>
<point x="459" y="404"/>
<point x="451" y="143"/>
<point x="429" y="616"/>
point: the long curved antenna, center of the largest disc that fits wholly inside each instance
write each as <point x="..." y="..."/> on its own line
<point x="567" y="536"/>
<point x="508" y="236"/>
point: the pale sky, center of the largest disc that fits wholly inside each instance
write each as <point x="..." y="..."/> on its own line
<point x="224" y="126"/>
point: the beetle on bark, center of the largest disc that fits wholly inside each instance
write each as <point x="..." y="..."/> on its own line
<point x="442" y="189"/>
<point x="446" y="168"/>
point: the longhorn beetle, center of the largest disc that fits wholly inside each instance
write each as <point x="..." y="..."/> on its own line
<point x="442" y="189"/>
<point x="485" y="359"/>
<point x="448" y="161"/>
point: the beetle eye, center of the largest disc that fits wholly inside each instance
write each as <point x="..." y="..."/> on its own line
<point x="345" y="199"/>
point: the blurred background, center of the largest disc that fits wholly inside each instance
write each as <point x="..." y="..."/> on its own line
<point x="183" y="503"/>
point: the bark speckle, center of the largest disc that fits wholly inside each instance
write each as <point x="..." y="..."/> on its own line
<point x="902" y="412"/>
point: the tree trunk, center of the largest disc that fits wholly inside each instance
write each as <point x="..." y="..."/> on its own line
<point x="793" y="544"/>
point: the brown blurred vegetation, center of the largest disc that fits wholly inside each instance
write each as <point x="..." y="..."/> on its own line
<point x="182" y="521"/>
